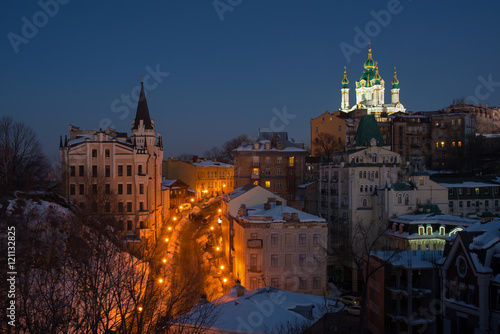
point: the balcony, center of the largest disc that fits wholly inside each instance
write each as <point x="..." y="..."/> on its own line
<point x="254" y="243"/>
<point x="254" y="269"/>
<point x="255" y="176"/>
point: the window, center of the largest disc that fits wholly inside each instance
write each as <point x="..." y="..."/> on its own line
<point x="268" y="160"/>
<point x="486" y="203"/>
<point x="274" y="282"/>
<point x="442" y="230"/>
<point x="129" y="170"/>
<point x="129" y="188"/>
<point x="278" y="171"/>
<point x="268" y="184"/>
<point x="107" y="207"/>
<point x="94" y="153"/>
<point x="139" y="169"/>
<point x="71" y="189"/>
<point x="407" y="199"/>
<point x="82" y="189"/>
<point x="274" y="260"/>
<point x="120" y="207"/>
<point x="460" y="204"/>
<point x="107" y="188"/>
<point x="274" y="239"/>
<point x="94" y="189"/>
<point x="317" y="283"/>
<point x="255" y="171"/>
<point x="302" y="260"/>
<point x="476" y="190"/>
<point x="120" y="189"/>
<point x="400" y="198"/>
<point x="429" y="230"/>
<point x="94" y="171"/>
<point x="302" y="239"/>
<point x="268" y="171"/>
<point x="316" y="130"/>
<point x="291" y="161"/>
<point x="468" y="204"/>
<point x="129" y="206"/>
<point x="141" y="206"/>
<point x="106" y="153"/>
<point x="420" y="230"/>
<point x="278" y="184"/>
<point x="278" y="160"/>
<point x="120" y="170"/>
<point x="107" y="171"/>
<point x="81" y="170"/>
<point x="317" y="259"/>
<point x="288" y="260"/>
<point x="364" y="202"/>
<point x="316" y="239"/>
<point x="450" y="204"/>
<point x="129" y="225"/>
<point x="141" y="188"/>
<point x="72" y="171"/>
<point x="302" y="283"/>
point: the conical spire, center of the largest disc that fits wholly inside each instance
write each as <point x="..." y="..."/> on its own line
<point x="142" y="111"/>
<point x="395" y="81"/>
<point x="377" y="77"/>
<point x="345" y="82"/>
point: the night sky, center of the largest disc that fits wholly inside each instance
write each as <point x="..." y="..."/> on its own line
<point x="229" y="69"/>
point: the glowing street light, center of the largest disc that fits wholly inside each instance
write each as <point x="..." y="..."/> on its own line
<point x="211" y="227"/>
<point x="140" y="309"/>
<point x="225" y="280"/>
<point x="170" y="228"/>
<point x="164" y="260"/>
<point x="222" y="267"/>
<point x="166" y="239"/>
<point x="192" y="199"/>
<point x="160" y="280"/>
<point x="175" y="218"/>
<point x="220" y="210"/>
<point x="218" y="249"/>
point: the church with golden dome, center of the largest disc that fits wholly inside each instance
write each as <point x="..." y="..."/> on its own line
<point x="370" y="90"/>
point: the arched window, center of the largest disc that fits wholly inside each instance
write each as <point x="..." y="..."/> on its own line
<point x="400" y="198"/>
<point x="376" y="174"/>
<point x="366" y="188"/>
<point x="364" y="175"/>
<point x="441" y="230"/>
<point x="420" y="230"/>
<point x="373" y="175"/>
<point x="407" y="199"/>
<point x="371" y="188"/>
<point x="364" y="202"/>
<point x="360" y="175"/>
<point x="429" y="230"/>
<point x="361" y="189"/>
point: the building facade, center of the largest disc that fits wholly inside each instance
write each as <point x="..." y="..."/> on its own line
<point x="114" y="175"/>
<point x="280" y="246"/>
<point x="209" y="178"/>
<point x="272" y="162"/>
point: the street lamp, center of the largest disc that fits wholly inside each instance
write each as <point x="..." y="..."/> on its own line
<point x="217" y="249"/>
<point x="221" y="267"/>
<point x="160" y="280"/>
<point x="140" y="309"/>
<point x="166" y="239"/>
<point x="164" y="260"/>
<point x="225" y="280"/>
<point x="169" y="228"/>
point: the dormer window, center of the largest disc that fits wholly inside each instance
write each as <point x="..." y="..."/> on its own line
<point x="279" y="146"/>
<point x="255" y="146"/>
<point x="420" y="230"/>
<point x="401" y="228"/>
<point x="429" y="230"/>
<point x="394" y="227"/>
<point x="268" y="146"/>
<point x="441" y="230"/>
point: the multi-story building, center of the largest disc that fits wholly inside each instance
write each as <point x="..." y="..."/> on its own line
<point x="109" y="173"/>
<point x="426" y="229"/>
<point x="207" y="177"/>
<point x="248" y="195"/>
<point x="410" y="137"/>
<point x="487" y="118"/>
<point x="370" y="91"/>
<point x="329" y="131"/>
<point x="363" y="188"/>
<point x="280" y="246"/>
<point x="470" y="288"/>
<point x="179" y="193"/>
<point x="471" y="194"/>
<point x="272" y="162"/>
<point x="402" y="292"/>
<point x="450" y="132"/>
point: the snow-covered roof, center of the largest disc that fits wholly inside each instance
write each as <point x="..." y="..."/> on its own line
<point x="414" y="259"/>
<point x="276" y="307"/>
<point x="275" y="213"/>
<point x="240" y="191"/>
<point x="262" y="147"/>
<point x="469" y="185"/>
<point x="210" y="163"/>
<point x="167" y="182"/>
<point x="80" y="139"/>
<point x="432" y="218"/>
<point x="306" y="184"/>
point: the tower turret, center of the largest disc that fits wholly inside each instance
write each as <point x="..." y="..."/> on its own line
<point x="143" y="129"/>
<point x="395" y="88"/>
<point x="345" y="91"/>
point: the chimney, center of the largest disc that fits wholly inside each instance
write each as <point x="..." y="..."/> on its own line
<point x="267" y="206"/>
<point x="286" y="216"/>
<point x="295" y="216"/>
<point x="240" y="290"/>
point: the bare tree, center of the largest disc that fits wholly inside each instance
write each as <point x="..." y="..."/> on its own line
<point x="22" y="163"/>
<point x="327" y="145"/>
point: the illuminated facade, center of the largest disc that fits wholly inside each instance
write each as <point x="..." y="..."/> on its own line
<point x="370" y="91"/>
<point x="110" y="173"/>
<point x="207" y="177"/>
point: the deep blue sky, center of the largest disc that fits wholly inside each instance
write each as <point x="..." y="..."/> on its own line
<point x="227" y="76"/>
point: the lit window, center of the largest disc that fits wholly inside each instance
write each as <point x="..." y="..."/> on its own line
<point x="268" y="184"/>
<point x="429" y="230"/>
<point x="459" y="144"/>
<point x="255" y="171"/>
<point x="441" y="230"/>
<point x="291" y="161"/>
<point x="420" y="230"/>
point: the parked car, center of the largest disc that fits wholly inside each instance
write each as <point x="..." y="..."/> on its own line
<point x="185" y="206"/>
<point x="353" y="310"/>
<point x="350" y="300"/>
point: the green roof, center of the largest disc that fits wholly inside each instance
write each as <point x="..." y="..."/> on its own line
<point x="426" y="208"/>
<point x="400" y="186"/>
<point x="368" y="129"/>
